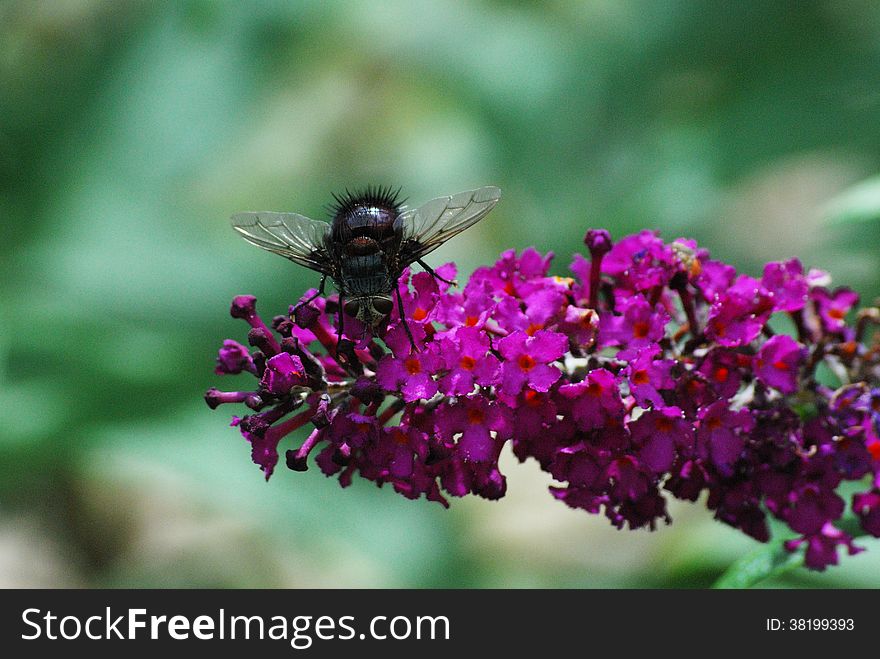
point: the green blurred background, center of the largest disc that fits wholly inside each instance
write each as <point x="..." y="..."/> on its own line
<point x="130" y="131"/>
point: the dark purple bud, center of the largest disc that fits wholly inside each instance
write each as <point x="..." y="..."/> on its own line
<point x="215" y="397"/>
<point x="260" y="338"/>
<point x="243" y="306"/>
<point x="305" y="316"/>
<point x="211" y="398"/>
<point x="598" y="241"/>
<point x="253" y="401"/>
<point x="368" y="391"/>
<point x="233" y="358"/>
<point x="342" y="455"/>
<point x="282" y="325"/>
<point x="259" y="363"/>
<point x="323" y="415"/>
<point x="295" y="462"/>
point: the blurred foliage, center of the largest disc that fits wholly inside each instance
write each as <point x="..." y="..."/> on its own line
<point x="130" y="131"/>
<point x="860" y="203"/>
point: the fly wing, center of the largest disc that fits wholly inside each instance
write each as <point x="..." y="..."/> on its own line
<point x="427" y="227"/>
<point x="293" y="236"/>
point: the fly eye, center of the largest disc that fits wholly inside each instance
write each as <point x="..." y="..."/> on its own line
<point x="383" y="305"/>
<point x="351" y="308"/>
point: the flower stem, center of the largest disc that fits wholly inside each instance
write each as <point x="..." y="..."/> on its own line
<point x="773" y="559"/>
<point x="759" y="565"/>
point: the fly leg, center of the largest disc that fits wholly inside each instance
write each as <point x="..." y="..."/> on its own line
<point x="345" y="354"/>
<point x="340" y="314"/>
<point x="307" y="302"/>
<point x="431" y="272"/>
<point x="403" y="320"/>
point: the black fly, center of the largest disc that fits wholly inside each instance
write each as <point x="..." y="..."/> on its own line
<point x="369" y="242"/>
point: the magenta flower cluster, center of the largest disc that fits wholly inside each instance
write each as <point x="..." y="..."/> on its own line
<point x="655" y="371"/>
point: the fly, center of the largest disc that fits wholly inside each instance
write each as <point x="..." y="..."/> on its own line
<point x="372" y="237"/>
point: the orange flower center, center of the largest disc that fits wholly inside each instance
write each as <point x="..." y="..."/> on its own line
<point x="721" y="374"/>
<point x="476" y="416"/>
<point x="413" y="366"/>
<point x="836" y="314"/>
<point x="533" y="398"/>
<point x="526" y="362"/>
<point x="874" y="450"/>
<point x="664" y="424"/>
<point x="594" y="389"/>
<point x="780" y="365"/>
<point x="713" y="423"/>
<point x="640" y="329"/>
<point x="468" y="363"/>
<point x="419" y="314"/>
<point x="532" y="328"/>
<point x="470" y="321"/>
<point x="641" y="377"/>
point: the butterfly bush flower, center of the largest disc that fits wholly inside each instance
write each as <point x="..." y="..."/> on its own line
<point x="653" y="372"/>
